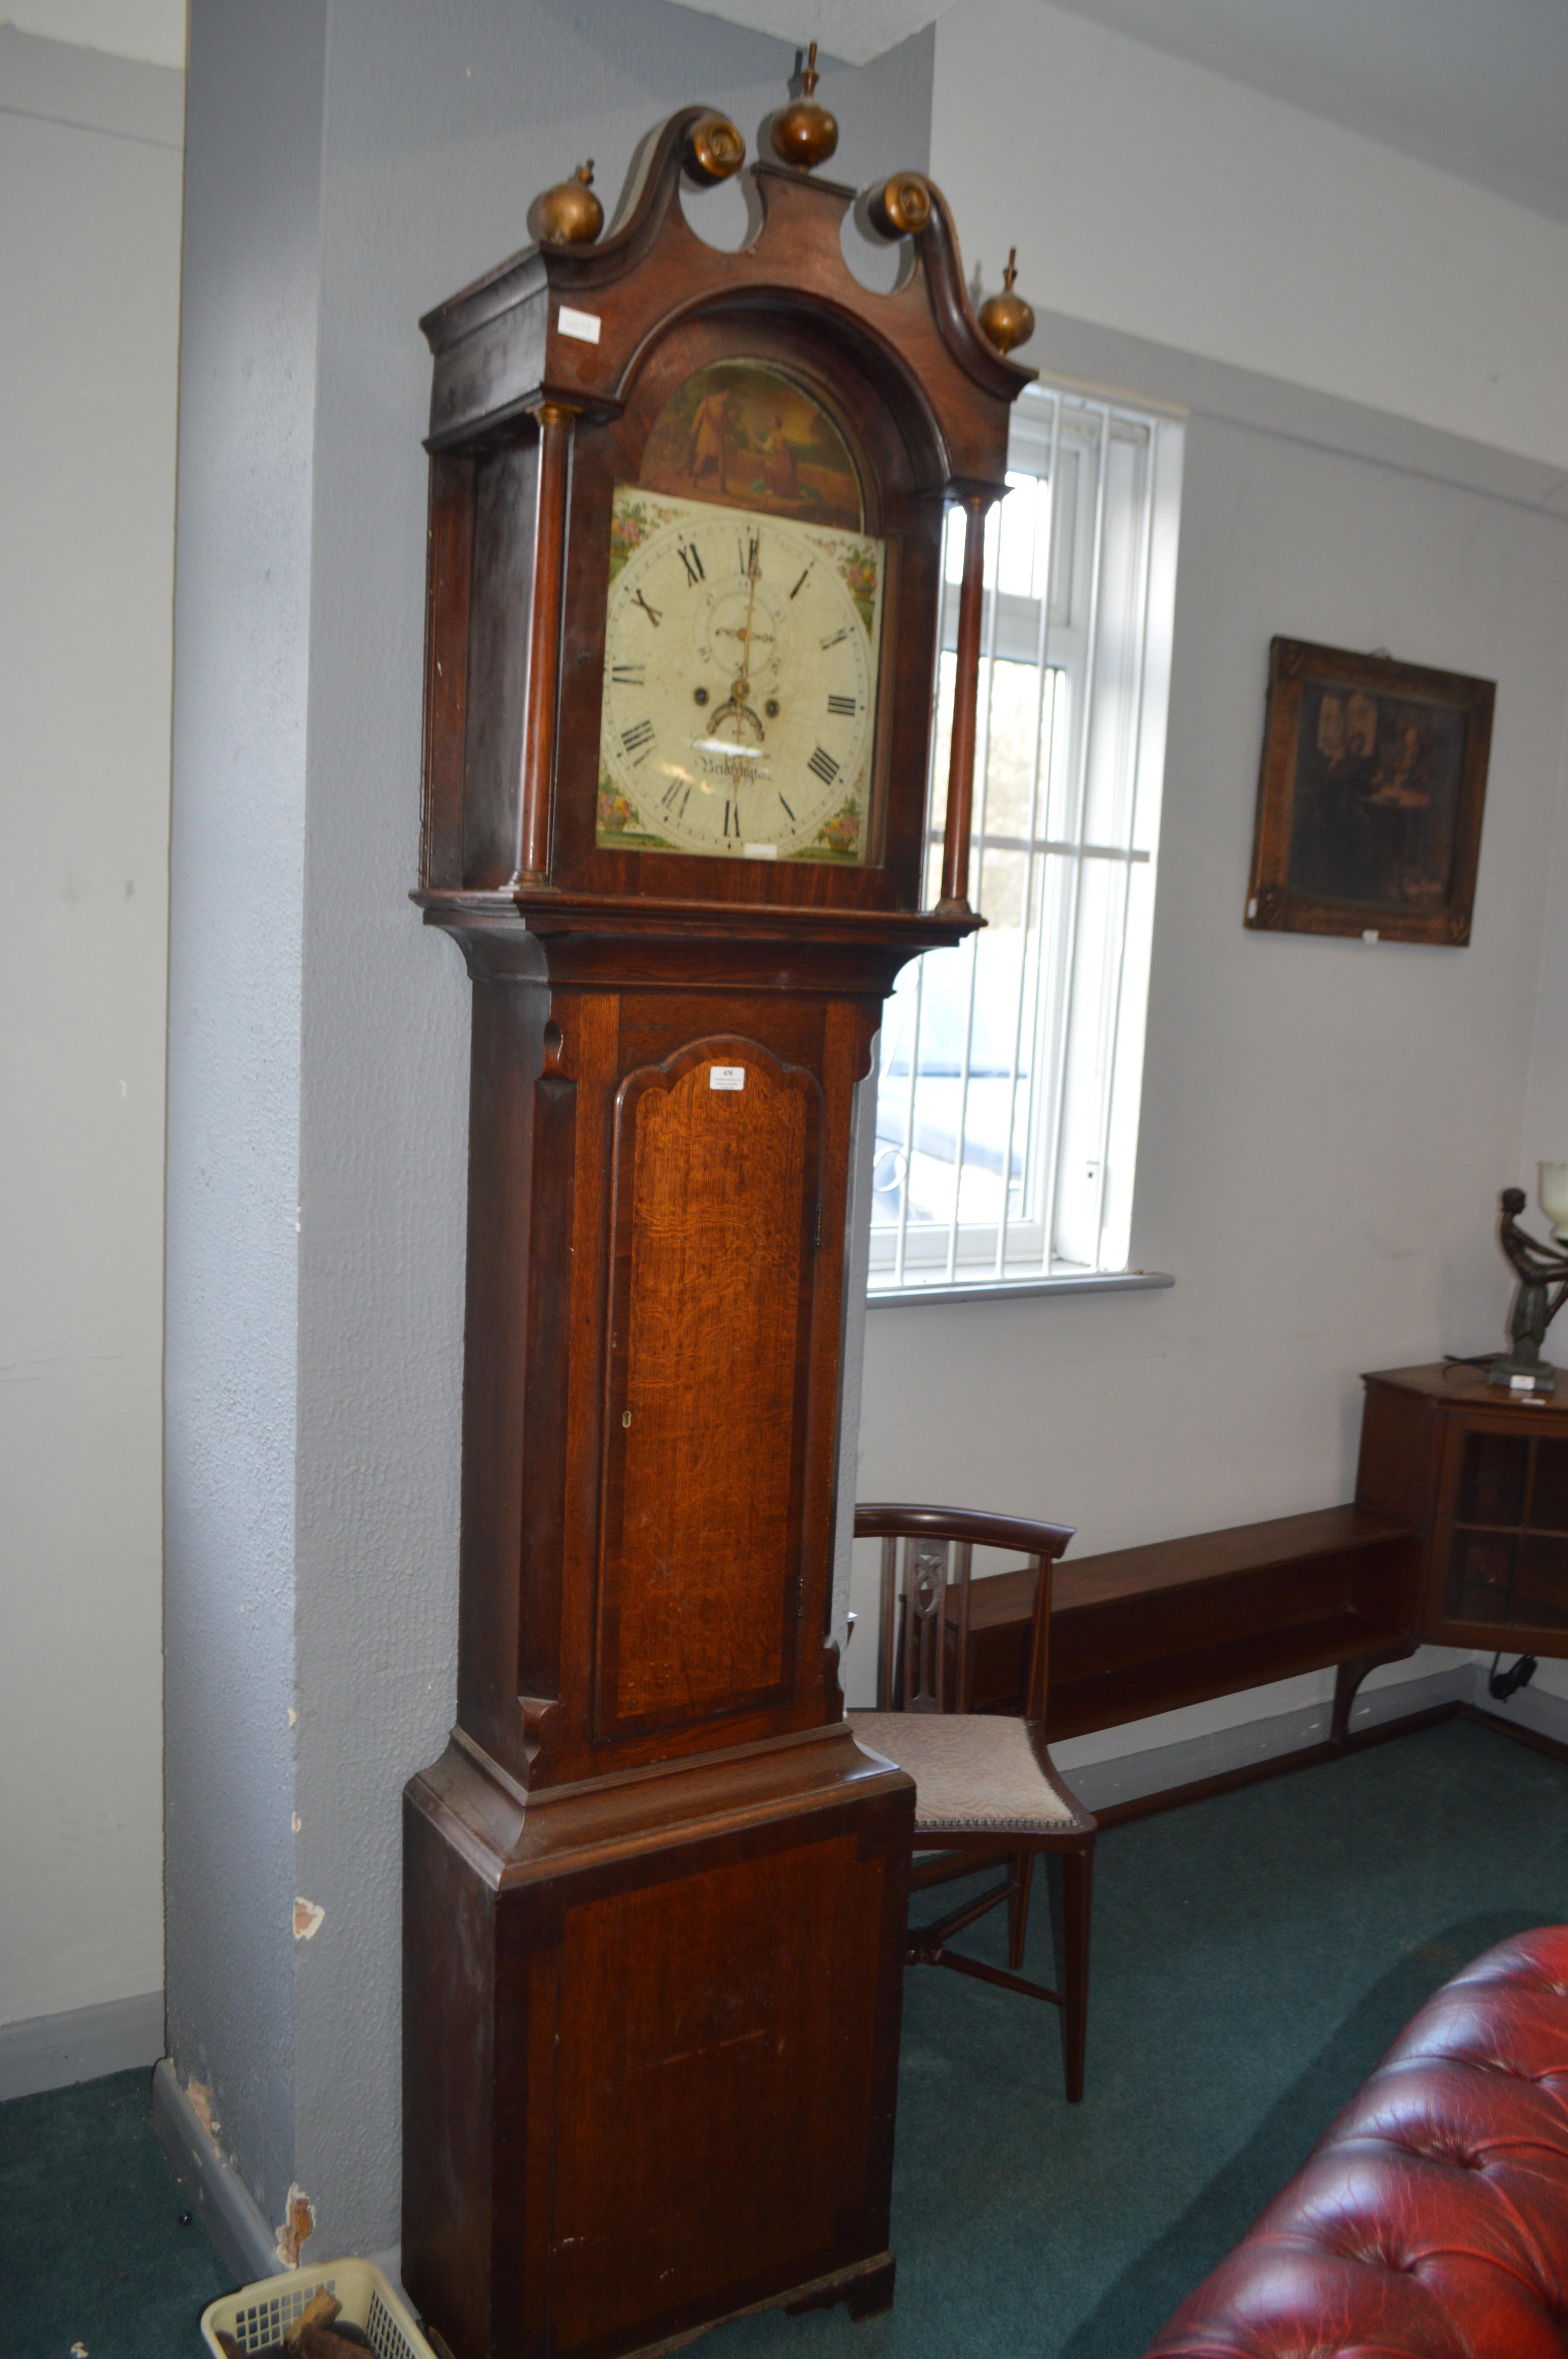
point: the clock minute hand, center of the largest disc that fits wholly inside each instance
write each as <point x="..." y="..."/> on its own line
<point x="738" y="707"/>
<point x="742" y="687"/>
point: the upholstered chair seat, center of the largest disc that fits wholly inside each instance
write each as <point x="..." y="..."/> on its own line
<point x="971" y="1771"/>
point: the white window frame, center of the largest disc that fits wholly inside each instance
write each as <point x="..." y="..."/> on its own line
<point x="1098" y="643"/>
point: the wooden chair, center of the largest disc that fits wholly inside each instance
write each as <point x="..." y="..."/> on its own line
<point x="985" y="1788"/>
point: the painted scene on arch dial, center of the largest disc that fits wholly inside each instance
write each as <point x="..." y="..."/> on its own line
<point x="746" y="434"/>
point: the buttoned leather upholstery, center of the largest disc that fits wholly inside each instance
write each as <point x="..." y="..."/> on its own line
<point x="1431" y="2221"/>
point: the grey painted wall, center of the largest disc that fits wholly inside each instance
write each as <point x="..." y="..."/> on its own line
<point x="349" y="164"/>
<point x="243" y="605"/>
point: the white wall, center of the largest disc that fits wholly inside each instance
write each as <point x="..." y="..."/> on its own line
<point x="1325" y="1126"/>
<point x="1148" y="195"/>
<point x="89" y="193"/>
<point x="1546" y="1110"/>
<point x="1546" y="1116"/>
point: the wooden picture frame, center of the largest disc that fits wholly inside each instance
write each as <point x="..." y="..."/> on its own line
<point x="1370" y="797"/>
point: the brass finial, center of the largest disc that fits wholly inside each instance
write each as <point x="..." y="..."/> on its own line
<point x="569" y="213"/>
<point x="714" y="150"/>
<point x="902" y="206"/>
<point x="803" y="133"/>
<point x="1006" y="319"/>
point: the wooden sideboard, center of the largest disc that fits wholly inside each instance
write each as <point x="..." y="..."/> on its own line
<point x="1145" y="1630"/>
<point x="1481" y="1475"/>
<point x="1457" y="1534"/>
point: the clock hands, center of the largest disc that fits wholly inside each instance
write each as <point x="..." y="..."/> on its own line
<point x="737" y="708"/>
<point x="742" y="687"/>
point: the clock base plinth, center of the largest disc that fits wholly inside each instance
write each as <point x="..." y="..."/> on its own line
<point x="651" y="2046"/>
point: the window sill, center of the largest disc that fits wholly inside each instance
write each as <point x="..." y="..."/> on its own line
<point x="1125" y="1281"/>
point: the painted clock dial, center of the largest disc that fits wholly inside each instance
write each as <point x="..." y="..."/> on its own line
<point x="741" y="665"/>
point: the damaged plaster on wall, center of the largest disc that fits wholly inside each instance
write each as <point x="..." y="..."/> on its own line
<point x="298" y="2227"/>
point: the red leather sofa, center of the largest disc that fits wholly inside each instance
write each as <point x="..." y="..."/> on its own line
<point x="1431" y="2221"/>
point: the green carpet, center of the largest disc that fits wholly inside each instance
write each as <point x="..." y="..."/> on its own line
<point x="1253" y="1958"/>
<point x="90" y="2246"/>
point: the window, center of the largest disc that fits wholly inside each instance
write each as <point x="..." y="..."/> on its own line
<point x="1011" y="1066"/>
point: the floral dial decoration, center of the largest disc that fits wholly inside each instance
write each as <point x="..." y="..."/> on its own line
<point x="740" y="669"/>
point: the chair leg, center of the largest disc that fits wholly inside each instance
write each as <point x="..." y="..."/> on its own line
<point x="1073" y="1890"/>
<point x="1018" y="1908"/>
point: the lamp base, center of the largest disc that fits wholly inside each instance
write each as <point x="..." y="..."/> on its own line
<point x="1513" y="1372"/>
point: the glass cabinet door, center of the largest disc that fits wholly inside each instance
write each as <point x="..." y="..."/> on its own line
<point x="1508" y="1562"/>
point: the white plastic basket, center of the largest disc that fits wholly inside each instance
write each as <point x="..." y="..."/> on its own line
<point x="262" y="2313"/>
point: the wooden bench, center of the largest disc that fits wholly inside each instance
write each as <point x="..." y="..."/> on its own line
<point x="1148" y="1629"/>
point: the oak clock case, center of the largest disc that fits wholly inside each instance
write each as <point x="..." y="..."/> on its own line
<point x="655" y="1893"/>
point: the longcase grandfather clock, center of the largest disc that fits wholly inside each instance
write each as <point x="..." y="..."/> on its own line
<point x="686" y="527"/>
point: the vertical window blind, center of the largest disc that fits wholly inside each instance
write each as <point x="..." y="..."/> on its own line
<point x="1012" y="1067"/>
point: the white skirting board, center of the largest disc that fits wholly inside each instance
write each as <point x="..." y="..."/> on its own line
<point x="1129" y="1777"/>
<point x="55" y="2051"/>
<point x="1536" y="1707"/>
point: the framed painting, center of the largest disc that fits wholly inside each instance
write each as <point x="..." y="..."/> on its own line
<point x="1370" y="797"/>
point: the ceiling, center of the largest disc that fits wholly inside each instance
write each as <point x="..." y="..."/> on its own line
<point x="853" y="30"/>
<point x="1477" y="87"/>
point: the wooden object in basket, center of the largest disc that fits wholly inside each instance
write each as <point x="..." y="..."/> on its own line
<point x="688" y="511"/>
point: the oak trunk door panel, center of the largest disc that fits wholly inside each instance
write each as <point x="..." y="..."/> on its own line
<point x="717" y="1160"/>
<point x="731" y="2076"/>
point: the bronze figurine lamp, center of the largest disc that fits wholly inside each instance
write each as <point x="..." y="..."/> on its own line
<point x="1543" y="1289"/>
